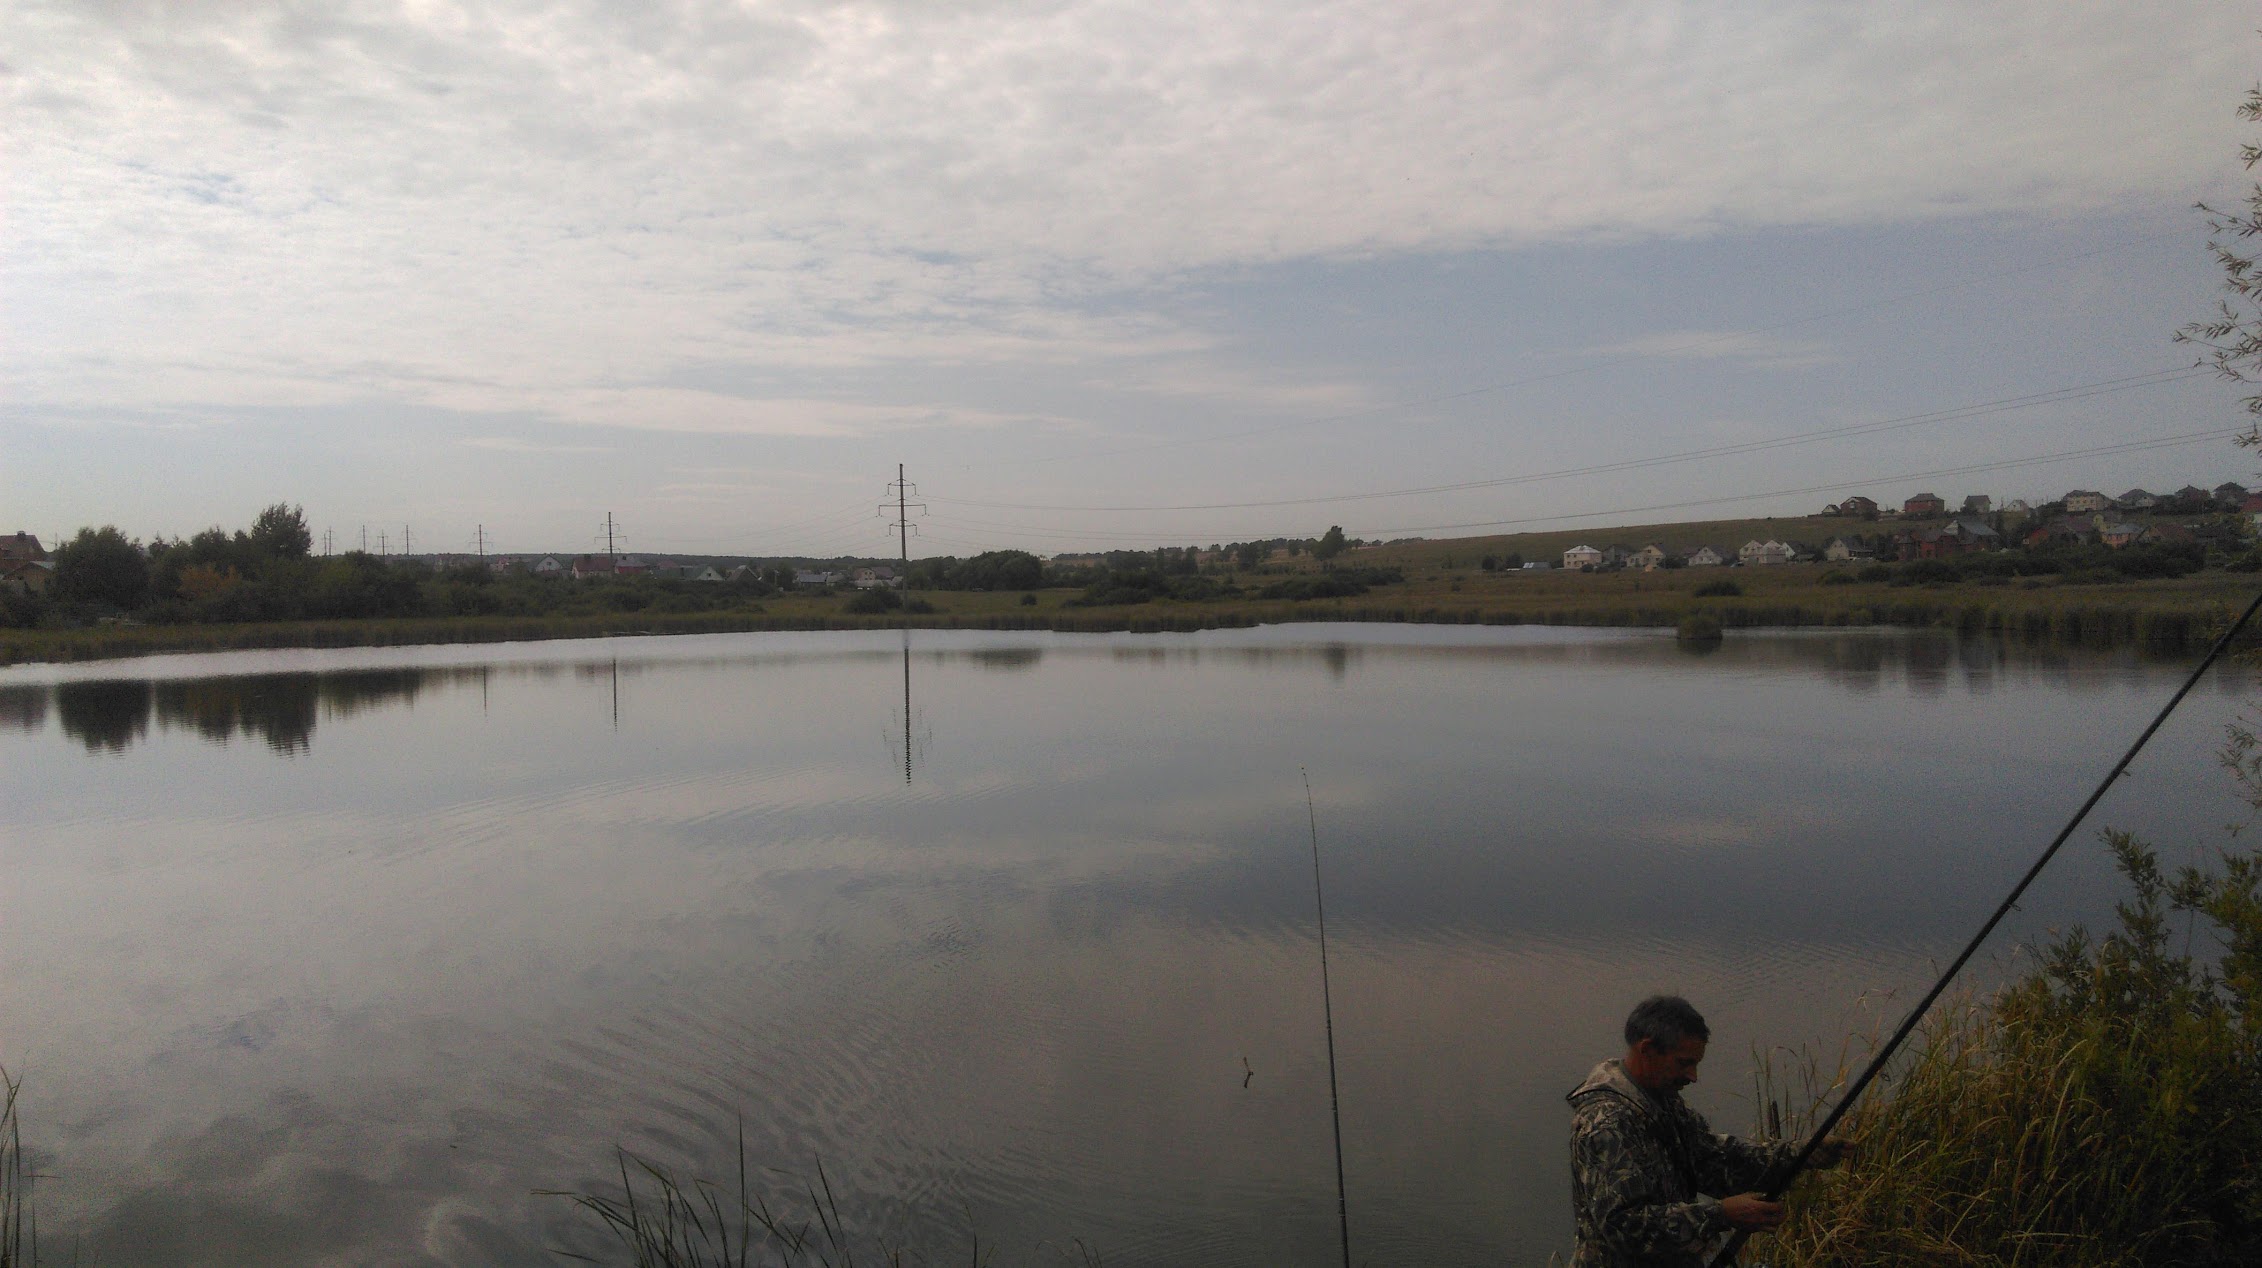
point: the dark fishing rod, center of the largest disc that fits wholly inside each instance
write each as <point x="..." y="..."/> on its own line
<point x="1327" y="1007"/>
<point x="1780" y="1179"/>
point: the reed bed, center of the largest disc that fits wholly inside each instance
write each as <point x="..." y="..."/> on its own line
<point x="2105" y="1109"/>
<point x="658" y="1218"/>
<point x="19" y="1226"/>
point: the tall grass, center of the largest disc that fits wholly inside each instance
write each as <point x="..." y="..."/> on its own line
<point x="661" y="1219"/>
<point x="19" y="1227"/>
<point x="2104" y="1109"/>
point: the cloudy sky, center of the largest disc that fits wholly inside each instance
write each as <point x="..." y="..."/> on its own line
<point x="1100" y="274"/>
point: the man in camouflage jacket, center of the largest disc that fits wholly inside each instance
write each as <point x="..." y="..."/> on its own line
<point x="1652" y="1186"/>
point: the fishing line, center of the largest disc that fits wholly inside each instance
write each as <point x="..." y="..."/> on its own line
<point x="1777" y="1183"/>
<point x="1327" y="1006"/>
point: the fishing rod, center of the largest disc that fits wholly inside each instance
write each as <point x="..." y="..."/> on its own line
<point x="1327" y="1006"/>
<point x="1780" y="1178"/>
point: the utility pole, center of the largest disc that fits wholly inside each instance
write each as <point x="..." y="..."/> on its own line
<point x="404" y="540"/>
<point x="609" y="535"/>
<point x="482" y="541"/>
<point x="365" y="539"/>
<point x="381" y="543"/>
<point x="902" y="525"/>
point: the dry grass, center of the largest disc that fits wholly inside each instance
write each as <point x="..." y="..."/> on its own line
<point x="2104" y="1110"/>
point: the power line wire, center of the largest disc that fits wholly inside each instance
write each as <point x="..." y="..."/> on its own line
<point x="1626" y="359"/>
<point x="2135" y="446"/>
<point x="2008" y="404"/>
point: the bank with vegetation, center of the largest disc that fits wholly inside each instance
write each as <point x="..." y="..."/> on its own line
<point x="263" y="588"/>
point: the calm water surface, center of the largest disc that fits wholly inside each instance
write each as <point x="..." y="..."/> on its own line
<point x="337" y="957"/>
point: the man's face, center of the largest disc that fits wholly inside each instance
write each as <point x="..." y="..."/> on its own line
<point x="1658" y="1069"/>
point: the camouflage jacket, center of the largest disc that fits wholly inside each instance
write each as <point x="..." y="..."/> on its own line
<point x="1647" y="1174"/>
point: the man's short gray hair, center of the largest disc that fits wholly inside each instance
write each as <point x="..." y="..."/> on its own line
<point x="1667" y="1021"/>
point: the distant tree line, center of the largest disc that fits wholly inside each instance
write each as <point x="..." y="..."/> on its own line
<point x="268" y="572"/>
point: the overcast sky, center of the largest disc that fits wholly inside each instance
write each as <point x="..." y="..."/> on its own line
<point x="716" y="268"/>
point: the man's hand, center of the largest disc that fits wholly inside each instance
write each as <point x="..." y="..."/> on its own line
<point x="1752" y="1213"/>
<point x="1831" y="1152"/>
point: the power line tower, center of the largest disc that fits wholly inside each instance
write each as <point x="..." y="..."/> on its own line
<point x="481" y="538"/>
<point x="382" y="545"/>
<point x="609" y="551"/>
<point x="901" y="492"/>
<point x="327" y="537"/>
<point x="365" y="539"/>
<point x="405" y="552"/>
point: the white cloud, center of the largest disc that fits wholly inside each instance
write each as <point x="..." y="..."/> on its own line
<point x="1749" y="347"/>
<point x="554" y="208"/>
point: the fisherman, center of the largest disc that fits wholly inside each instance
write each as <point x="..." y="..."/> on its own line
<point x="1652" y="1186"/>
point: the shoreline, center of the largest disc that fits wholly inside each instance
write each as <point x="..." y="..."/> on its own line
<point x="2164" y="618"/>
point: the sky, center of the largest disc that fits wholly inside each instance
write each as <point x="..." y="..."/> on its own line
<point x="1099" y="275"/>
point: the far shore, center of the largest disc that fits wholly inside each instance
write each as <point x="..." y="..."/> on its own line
<point x="2167" y="617"/>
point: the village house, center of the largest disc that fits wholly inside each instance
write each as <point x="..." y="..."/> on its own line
<point x="1978" y="504"/>
<point x="2017" y="506"/>
<point x="875" y="578"/>
<point x="2228" y="495"/>
<point x="26" y="576"/>
<point x="1579" y="557"/>
<point x="2064" y="531"/>
<point x="586" y="566"/>
<point x="1538" y="565"/>
<point x="2137" y="500"/>
<point x="1846" y="550"/>
<point x="1962" y="537"/>
<point x="1755" y="554"/>
<point x="1858" y="507"/>
<point x="1706" y="557"/>
<point x="2119" y="533"/>
<point x="2087" y="501"/>
<point x="548" y="566"/>
<point x="1648" y="558"/>
<point x="2166" y="535"/>
<point x="810" y="577"/>
<point x="20" y="548"/>
<point x="1924" y="504"/>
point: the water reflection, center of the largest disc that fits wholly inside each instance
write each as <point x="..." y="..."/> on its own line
<point x="279" y="709"/>
<point x="23" y="708"/>
<point x="358" y="1007"/>
<point x="282" y="710"/>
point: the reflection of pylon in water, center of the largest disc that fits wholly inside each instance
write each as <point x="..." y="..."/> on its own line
<point x="908" y="732"/>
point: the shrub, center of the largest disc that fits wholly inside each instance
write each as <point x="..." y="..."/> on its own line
<point x="1834" y="578"/>
<point x="1926" y="572"/>
<point x="2100" y="1110"/>
<point x="1722" y="588"/>
<point x="1874" y="572"/>
<point x="868" y="602"/>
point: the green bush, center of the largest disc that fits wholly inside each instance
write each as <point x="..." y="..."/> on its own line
<point x="869" y="602"/>
<point x="2104" y="1109"/>
<point x="1722" y="588"/>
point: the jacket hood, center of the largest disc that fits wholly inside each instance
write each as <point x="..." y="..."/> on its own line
<point x="1609" y="1079"/>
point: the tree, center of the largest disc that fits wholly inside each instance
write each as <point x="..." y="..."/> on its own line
<point x="101" y="566"/>
<point x="2233" y="338"/>
<point x="1330" y="544"/>
<point x="280" y="532"/>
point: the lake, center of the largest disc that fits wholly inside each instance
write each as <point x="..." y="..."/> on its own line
<point x="338" y="957"/>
